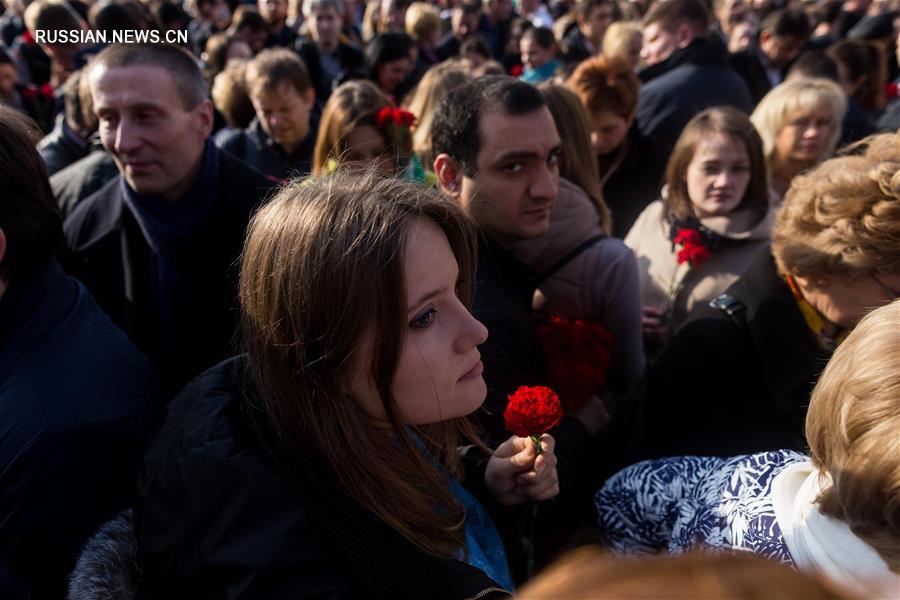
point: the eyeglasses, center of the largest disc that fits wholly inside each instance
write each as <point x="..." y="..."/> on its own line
<point x="892" y="294"/>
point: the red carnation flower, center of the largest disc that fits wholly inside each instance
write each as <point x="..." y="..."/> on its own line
<point x="516" y="70"/>
<point x="404" y="118"/>
<point x="532" y="411"/>
<point x="579" y="353"/>
<point x="692" y="249"/>
<point x="384" y="116"/>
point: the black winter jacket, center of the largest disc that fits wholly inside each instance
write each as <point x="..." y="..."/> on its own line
<point x="223" y="514"/>
<point x="723" y="388"/>
<point x="109" y="253"/>
<point x="690" y="80"/>
<point x="77" y="405"/>
<point x="257" y="149"/>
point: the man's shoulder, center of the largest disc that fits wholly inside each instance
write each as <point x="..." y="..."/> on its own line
<point x="95" y="216"/>
<point x="232" y="140"/>
<point x="98" y="362"/>
<point x="241" y="180"/>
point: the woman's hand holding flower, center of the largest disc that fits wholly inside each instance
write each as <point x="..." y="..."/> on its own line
<point x="515" y="473"/>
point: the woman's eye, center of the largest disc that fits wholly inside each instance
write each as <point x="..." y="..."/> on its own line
<point x="423" y="320"/>
<point x="514" y="167"/>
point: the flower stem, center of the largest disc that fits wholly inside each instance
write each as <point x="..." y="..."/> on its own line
<point x="537" y="444"/>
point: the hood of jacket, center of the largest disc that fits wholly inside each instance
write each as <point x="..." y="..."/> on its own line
<point x="572" y="220"/>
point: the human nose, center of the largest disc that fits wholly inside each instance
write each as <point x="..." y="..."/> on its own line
<point x="472" y="333"/>
<point x="644" y="54"/>
<point x="126" y="138"/>
<point x="545" y="184"/>
<point x="722" y="179"/>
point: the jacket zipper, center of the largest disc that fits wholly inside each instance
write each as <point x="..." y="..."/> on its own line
<point x="487" y="591"/>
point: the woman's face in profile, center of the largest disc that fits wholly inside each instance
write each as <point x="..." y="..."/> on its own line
<point x="804" y="135"/>
<point x="439" y="372"/>
<point x="718" y="175"/>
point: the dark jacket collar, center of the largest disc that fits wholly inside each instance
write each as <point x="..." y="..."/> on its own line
<point x="701" y="51"/>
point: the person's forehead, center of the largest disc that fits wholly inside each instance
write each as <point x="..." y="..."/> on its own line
<point x="282" y="92"/>
<point x="134" y="84"/>
<point x="502" y="133"/>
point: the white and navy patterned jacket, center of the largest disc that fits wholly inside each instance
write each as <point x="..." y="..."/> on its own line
<point x="682" y="503"/>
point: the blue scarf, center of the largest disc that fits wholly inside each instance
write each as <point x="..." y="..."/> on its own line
<point x="484" y="550"/>
<point x="168" y="227"/>
<point x="541" y="74"/>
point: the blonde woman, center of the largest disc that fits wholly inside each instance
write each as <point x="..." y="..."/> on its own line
<point x="834" y="514"/>
<point x="436" y="83"/>
<point x="799" y="122"/>
<point x="624" y="40"/>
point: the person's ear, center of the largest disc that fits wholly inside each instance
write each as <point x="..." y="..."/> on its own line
<point x="449" y="175"/>
<point x="629" y="120"/>
<point x="685" y="35"/>
<point x="764" y="37"/>
<point x="309" y="96"/>
<point x="205" y="117"/>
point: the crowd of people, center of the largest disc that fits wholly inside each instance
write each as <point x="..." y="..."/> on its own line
<point x="266" y="295"/>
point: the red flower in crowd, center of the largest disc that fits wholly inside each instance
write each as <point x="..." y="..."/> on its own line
<point x="28" y="38"/>
<point x="384" y="116"/>
<point x="532" y="411"/>
<point x="579" y="353"/>
<point x="692" y="249"/>
<point x="404" y="118"/>
<point x="397" y="116"/>
<point x="516" y="70"/>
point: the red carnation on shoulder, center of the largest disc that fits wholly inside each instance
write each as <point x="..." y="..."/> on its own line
<point x="532" y="411"/>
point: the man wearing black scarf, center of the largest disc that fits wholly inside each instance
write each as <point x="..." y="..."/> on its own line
<point x="157" y="244"/>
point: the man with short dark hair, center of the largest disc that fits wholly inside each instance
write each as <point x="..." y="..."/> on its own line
<point x="157" y="244"/>
<point x="496" y="151"/>
<point x="687" y="72"/>
<point x="763" y="65"/>
<point x="327" y="57"/>
<point x="592" y="18"/>
<point x="77" y="400"/>
<point x="281" y="139"/>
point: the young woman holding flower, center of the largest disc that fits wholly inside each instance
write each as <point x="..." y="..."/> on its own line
<point x="326" y="462"/>
<point x="712" y="220"/>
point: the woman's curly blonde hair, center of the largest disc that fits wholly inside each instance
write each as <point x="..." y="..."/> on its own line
<point x="843" y="217"/>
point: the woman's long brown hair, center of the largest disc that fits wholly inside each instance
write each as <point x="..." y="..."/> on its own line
<point x="322" y="268"/>
<point x="578" y="161"/>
